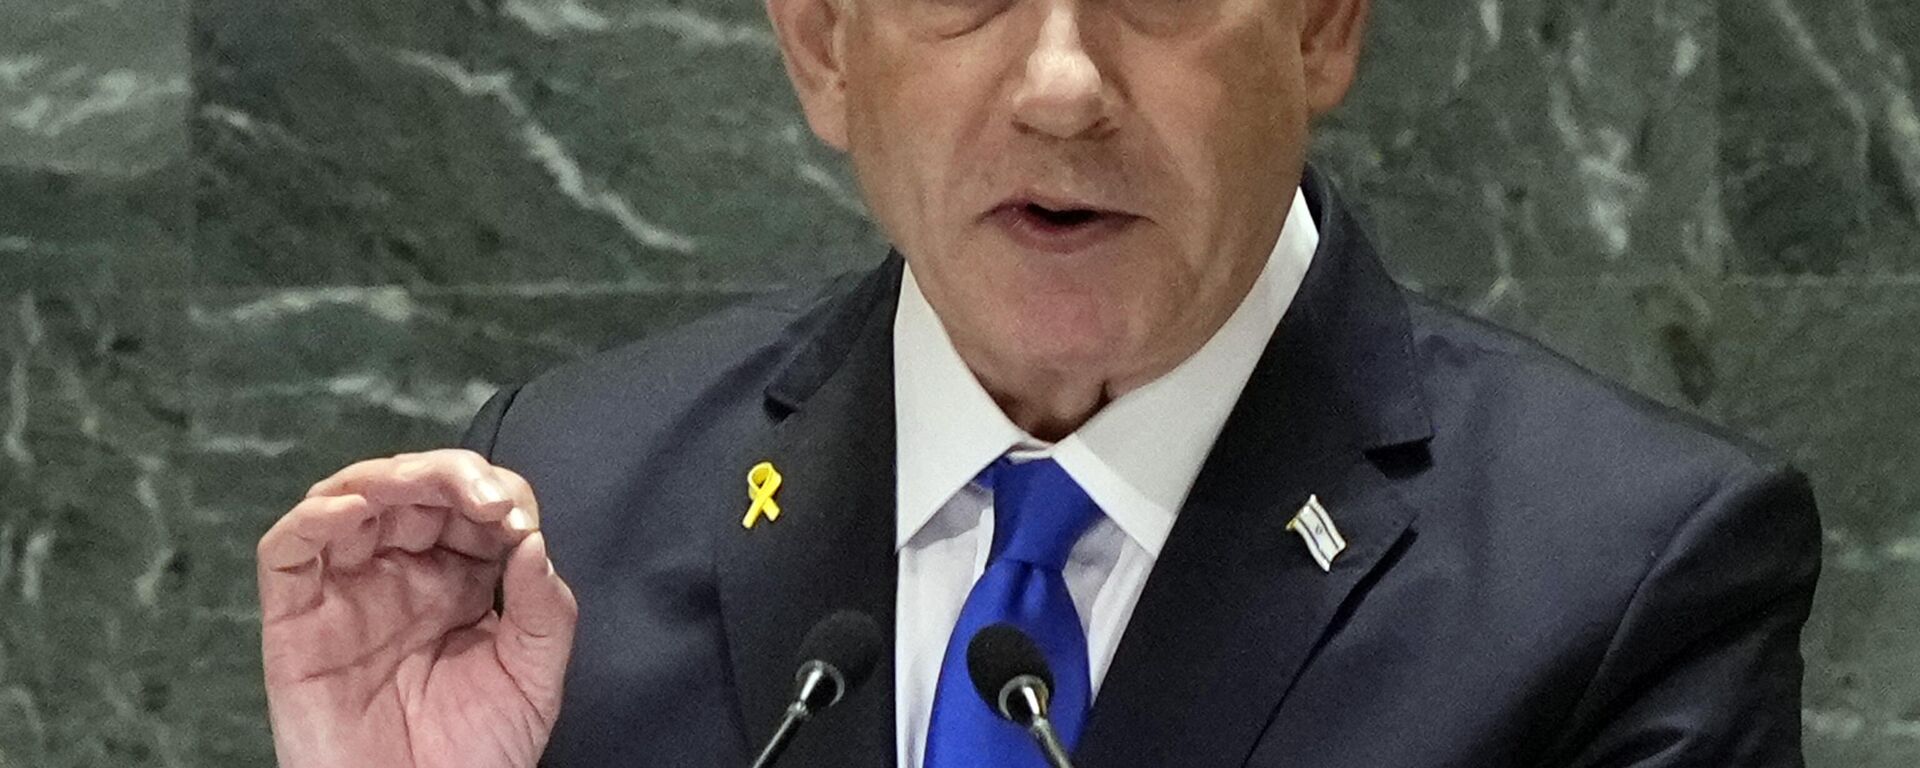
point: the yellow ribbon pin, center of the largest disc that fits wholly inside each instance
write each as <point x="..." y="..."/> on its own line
<point x="762" y="481"/>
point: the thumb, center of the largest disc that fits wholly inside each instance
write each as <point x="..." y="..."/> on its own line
<point x="536" y="628"/>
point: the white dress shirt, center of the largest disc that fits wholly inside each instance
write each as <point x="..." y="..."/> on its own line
<point x="1137" y="458"/>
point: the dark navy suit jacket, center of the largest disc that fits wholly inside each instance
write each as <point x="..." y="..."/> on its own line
<point x="1543" y="569"/>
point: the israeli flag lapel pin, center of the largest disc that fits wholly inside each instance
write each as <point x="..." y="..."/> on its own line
<point x="1317" y="530"/>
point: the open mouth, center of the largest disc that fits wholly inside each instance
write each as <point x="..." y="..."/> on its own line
<point x="1059" y="226"/>
<point x="1065" y="218"/>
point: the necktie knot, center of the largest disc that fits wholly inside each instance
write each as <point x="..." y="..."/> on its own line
<point x="1039" y="512"/>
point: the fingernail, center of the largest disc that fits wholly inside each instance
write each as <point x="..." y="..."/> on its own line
<point x="519" y="520"/>
<point x="550" y="571"/>
<point x="489" y="492"/>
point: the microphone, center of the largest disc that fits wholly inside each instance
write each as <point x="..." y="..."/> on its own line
<point x="837" y="655"/>
<point x="1012" y="675"/>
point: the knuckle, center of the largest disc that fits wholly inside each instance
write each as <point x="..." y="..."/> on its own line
<point x="514" y="481"/>
<point x="509" y="476"/>
<point x="412" y="469"/>
<point x="450" y="466"/>
<point x="459" y="457"/>
<point x="333" y="483"/>
<point x="472" y="465"/>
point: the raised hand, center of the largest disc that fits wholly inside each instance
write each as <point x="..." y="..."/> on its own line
<point x="381" y="642"/>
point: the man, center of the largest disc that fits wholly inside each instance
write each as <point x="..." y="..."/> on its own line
<point x="1134" y="382"/>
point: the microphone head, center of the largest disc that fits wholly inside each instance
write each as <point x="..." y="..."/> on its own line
<point x="846" y="646"/>
<point x="998" y="658"/>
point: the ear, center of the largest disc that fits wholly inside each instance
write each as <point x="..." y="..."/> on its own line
<point x="1330" y="41"/>
<point x="812" y="36"/>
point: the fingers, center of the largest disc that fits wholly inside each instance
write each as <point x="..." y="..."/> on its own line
<point x="482" y="542"/>
<point x="290" y="553"/>
<point x="412" y="527"/>
<point x="537" y="625"/>
<point x="304" y="533"/>
<point x="521" y="493"/>
<point x="496" y="506"/>
<point x="538" y="603"/>
<point x="451" y="499"/>
<point x="453" y="479"/>
<point x="354" y="547"/>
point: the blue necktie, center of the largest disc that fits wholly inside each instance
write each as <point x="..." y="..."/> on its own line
<point x="1038" y="514"/>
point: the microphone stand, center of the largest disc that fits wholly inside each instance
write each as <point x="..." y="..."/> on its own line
<point x="1050" y="745"/>
<point x="797" y="713"/>
<point x="817" y="681"/>
<point x="1033" y="694"/>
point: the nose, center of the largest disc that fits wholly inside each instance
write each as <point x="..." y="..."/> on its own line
<point x="1061" y="93"/>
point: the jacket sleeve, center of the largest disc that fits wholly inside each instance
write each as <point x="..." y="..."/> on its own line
<point x="484" y="430"/>
<point x="1704" y="668"/>
<point x="481" y="435"/>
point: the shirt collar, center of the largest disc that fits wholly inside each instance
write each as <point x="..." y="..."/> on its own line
<point x="1137" y="458"/>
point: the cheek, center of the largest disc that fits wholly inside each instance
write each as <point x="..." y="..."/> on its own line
<point x="1182" y="112"/>
<point x="915" y="110"/>
<point x="1227" y="115"/>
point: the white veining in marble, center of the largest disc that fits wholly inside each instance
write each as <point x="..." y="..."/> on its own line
<point x="33" y="564"/>
<point x="550" y="152"/>
<point x="19" y="395"/>
<point x="698" y="30"/>
<point x="448" y="404"/>
<point x="556" y="18"/>
<point x="388" y="303"/>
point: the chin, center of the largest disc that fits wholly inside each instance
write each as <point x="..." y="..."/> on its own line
<point x="1050" y="321"/>
<point x="1072" y="342"/>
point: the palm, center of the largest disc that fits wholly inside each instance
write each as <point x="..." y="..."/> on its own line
<point x="395" y="656"/>
<point x="405" y="650"/>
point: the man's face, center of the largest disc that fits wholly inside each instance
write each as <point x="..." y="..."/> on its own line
<point x="1085" y="186"/>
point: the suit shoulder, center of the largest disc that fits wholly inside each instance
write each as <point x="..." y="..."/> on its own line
<point x="737" y="348"/>
<point x="1540" y="406"/>
<point x="1583" y="484"/>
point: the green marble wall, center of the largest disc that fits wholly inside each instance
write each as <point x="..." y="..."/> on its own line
<point x="242" y="242"/>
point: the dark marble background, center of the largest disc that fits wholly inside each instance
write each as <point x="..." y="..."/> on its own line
<point x="243" y="242"/>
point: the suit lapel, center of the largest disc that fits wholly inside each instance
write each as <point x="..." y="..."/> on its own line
<point x="832" y="547"/>
<point x="1235" y="606"/>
